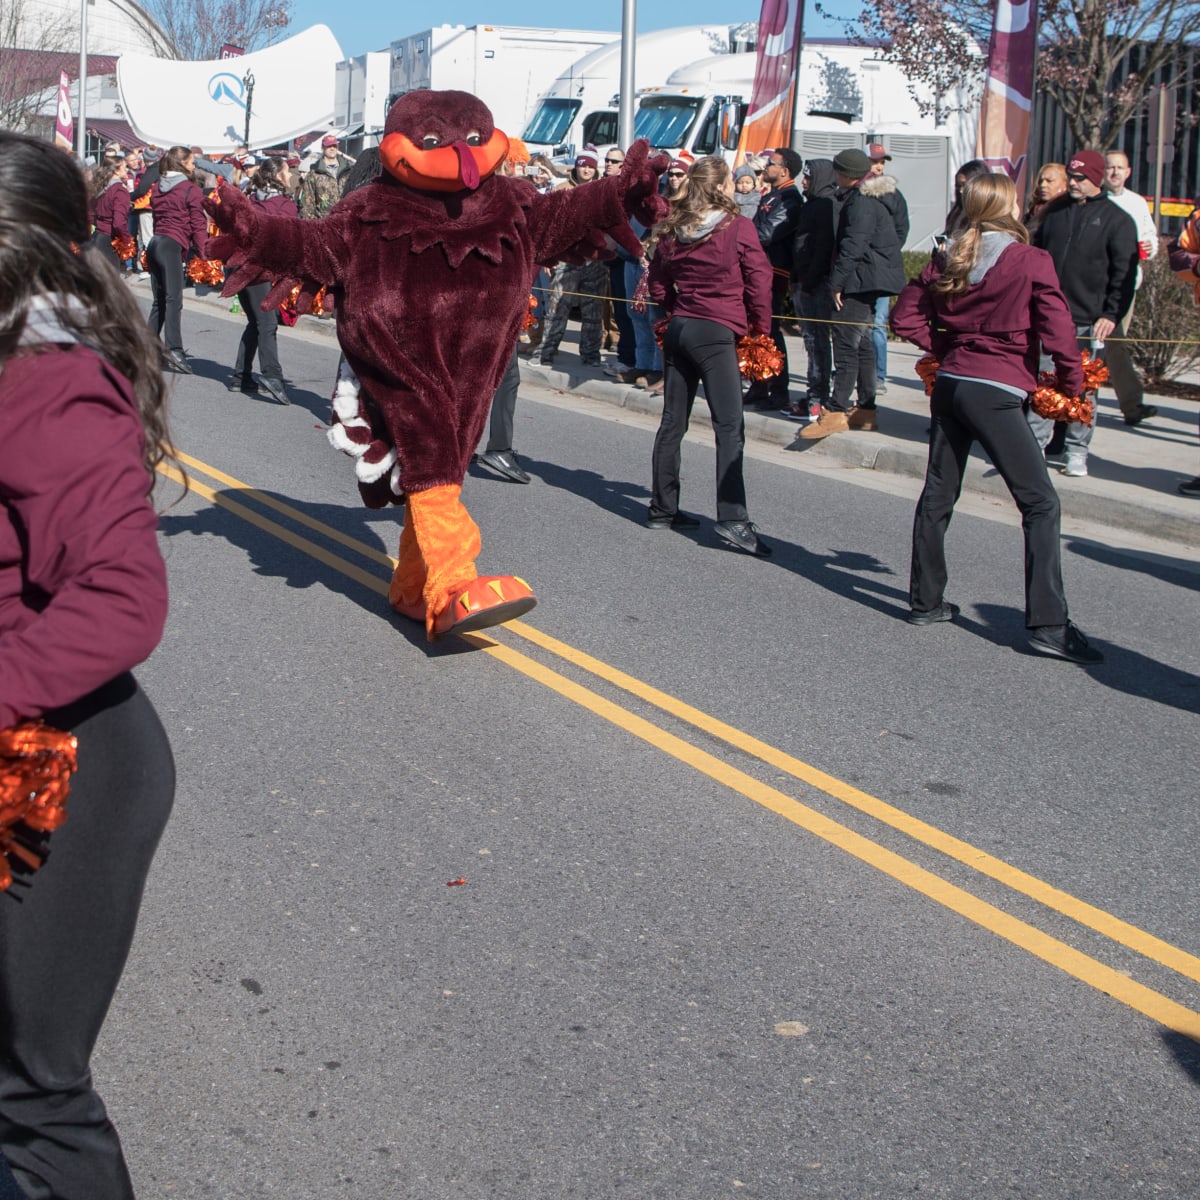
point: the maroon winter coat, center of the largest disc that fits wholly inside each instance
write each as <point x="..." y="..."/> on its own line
<point x="998" y="327"/>
<point x="83" y="589"/>
<point x="179" y="214"/>
<point x="725" y="278"/>
<point x="110" y="214"/>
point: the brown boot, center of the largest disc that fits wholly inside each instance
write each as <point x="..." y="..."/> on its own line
<point x="863" y="418"/>
<point x="829" y="422"/>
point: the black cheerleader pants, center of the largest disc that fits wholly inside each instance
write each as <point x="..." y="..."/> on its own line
<point x="65" y="932"/>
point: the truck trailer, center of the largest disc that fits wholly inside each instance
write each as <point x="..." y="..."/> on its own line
<point x="507" y="66"/>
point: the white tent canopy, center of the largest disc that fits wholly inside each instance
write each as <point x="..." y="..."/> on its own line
<point x="204" y="103"/>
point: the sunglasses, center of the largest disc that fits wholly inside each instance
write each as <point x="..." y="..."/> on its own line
<point x="676" y="174"/>
<point x="1075" y="175"/>
<point x="613" y="162"/>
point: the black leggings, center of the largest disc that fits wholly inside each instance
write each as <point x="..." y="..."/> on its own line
<point x="164" y="259"/>
<point x="259" y="335"/>
<point x="696" y="350"/>
<point x="65" y="932"/>
<point x="963" y="412"/>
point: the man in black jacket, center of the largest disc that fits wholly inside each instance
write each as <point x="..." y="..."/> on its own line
<point x="778" y="212"/>
<point x="1095" y="251"/>
<point x="866" y="265"/>
<point x="812" y="258"/>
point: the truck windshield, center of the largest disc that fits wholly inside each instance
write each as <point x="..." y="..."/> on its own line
<point x="665" y="121"/>
<point x="550" y="122"/>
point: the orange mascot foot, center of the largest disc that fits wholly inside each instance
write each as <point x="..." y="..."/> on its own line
<point x="485" y="601"/>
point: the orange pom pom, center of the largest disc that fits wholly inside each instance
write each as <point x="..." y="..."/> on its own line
<point x="758" y="357"/>
<point x="206" y="270"/>
<point x="1049" y="402"/>
<point x="927" y="369"/>
<point x="125" y="247"/>
<point x="36" y="763"/>
<point x="529" y="320"/>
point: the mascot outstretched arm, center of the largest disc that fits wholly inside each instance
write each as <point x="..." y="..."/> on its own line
<point x="431" y="266"/>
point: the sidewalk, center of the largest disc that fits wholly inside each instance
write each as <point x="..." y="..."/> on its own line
<point x="1133" y="473"/>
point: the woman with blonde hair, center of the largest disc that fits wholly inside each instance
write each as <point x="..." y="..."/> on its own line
<point x="711" y="276"/>
<point x="986" y="315"/>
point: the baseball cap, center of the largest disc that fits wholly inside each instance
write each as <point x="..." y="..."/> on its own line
<point x="878" y="153"/>
<point x="1088" y="163"/>
<point x="679" y="164"/>
<point x="328" y="140"/>
<point x="586" y="160"/>
<point x="854" y="164"/>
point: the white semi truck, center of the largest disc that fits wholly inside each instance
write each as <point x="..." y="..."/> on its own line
<point x="581" y="105"/>
<point x="506" y="66"/>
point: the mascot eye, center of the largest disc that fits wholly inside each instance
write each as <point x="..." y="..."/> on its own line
<point x="430" y="141"/>
<point x="473" y="139"/>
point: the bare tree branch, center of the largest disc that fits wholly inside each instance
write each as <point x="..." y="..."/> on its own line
<point x="199" y="28"/>
<point x="29" y="62"/>
<point x="1086" y="49"/>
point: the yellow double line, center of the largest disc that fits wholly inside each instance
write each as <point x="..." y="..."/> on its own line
<point x="1020" y="933"/>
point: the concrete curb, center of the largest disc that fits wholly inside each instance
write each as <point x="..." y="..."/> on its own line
<point x="1122" y="506"/>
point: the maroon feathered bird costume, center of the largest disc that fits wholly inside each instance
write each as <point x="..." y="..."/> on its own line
<point x="430" y="266"/>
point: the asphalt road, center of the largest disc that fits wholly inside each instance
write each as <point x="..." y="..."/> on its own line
<point x="767" y="894"/>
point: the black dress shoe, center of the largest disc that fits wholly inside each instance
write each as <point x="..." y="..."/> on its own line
<point x="275" y="389"/>
<point x="504" y="462"/>
<point x="679" y="520"/>
<point x="242" y="383"/>
<point x="1143" y="413"/>
<point x="743" y="536"/>
<point x="1064" y="641"/>
<point x="943" y="612"/>
<point x="176" y="360"/>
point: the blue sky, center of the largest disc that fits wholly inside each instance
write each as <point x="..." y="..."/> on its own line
<point x="362" y="25"/>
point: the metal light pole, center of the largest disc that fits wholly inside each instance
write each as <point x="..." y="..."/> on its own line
<point x="628" y="99"/>
<point x="81" y="116"/>
<point x="248" y="83"/>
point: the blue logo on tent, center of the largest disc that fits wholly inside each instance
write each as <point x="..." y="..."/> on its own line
<point x="227" y="89"/>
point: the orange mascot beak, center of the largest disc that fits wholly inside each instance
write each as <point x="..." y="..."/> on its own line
<point x="452" y="168"/>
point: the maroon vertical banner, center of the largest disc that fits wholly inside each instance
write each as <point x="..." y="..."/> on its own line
<point x="768" y="123"/>
<point x="64" y="125"/>
<point x="1007" y="110"/>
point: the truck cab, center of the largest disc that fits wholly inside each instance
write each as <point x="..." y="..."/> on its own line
<point x="581" y="106"/>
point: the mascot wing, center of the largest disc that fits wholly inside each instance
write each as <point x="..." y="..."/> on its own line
<point x="257" y="247"/>
<point x="570" y="224"/>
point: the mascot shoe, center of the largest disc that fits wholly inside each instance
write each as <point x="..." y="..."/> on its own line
<point x="486" y="601"/>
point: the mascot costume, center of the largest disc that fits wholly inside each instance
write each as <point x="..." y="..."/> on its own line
<point x="431" y="266"/>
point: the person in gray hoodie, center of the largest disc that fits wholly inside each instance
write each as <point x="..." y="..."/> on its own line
<point x="745" y="190"/>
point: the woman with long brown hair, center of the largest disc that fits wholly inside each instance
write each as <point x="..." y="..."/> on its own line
<point x="83" y="598"/>
<point x="110" y="209"/>
<point x="985" y="316"/>
<point x="269" y="190"/>
<point x="711" y="276"/>
<point x="179" y="223"/>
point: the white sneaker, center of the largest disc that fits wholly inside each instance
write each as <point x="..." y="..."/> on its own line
<point x="1076" y="465"/>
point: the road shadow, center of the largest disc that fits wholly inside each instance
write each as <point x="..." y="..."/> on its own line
<point x="1123" y="670"/>
<point x="216" y="372"/>
<point x="845" y="573"/>
<point x="1179" y="572"/>
<point x="287" y="560"/>
<point x="1186" y="1052"/>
